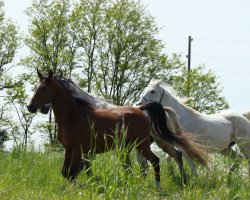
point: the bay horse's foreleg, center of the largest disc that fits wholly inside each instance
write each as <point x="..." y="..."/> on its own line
<point x="67" y="162"/>
<point x="76" y="164"/>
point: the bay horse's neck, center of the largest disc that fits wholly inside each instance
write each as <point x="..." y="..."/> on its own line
<point x="90" y="99"/>
<point x="65" y="108"/>
<point x="98" y="103"/>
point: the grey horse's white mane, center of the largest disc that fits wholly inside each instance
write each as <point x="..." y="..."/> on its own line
<point x="170" y="89"/>
<point x="174" y="93"/>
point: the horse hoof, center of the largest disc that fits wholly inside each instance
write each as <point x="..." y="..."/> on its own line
<point x="158" y="185"/>
<point x="75" y="182"/>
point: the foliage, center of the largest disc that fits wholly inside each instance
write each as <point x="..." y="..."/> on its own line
<point x="201" y="88"/>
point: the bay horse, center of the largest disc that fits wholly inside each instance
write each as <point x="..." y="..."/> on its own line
<point x="217" y="131"/>
<point x="172" y="122"/>
<point x="78" y="120"/>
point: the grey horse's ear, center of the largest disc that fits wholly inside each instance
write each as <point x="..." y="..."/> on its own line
<point x="155" y="82"/>
<point x="39" y="74"/>
<point x="50" y="76"/>
<point x="158" y="82"/>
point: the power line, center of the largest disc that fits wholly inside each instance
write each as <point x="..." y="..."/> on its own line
<point x="221" y="57"/>
<point x="230" y="72"/>
<point x="209" y="39"/>
<point x="222" y="40"/>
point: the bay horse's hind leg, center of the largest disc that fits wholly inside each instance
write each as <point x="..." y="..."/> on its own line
<point x="144" y="168"/>
<point x="126" y="156"/>
<point x="144" y="149"/>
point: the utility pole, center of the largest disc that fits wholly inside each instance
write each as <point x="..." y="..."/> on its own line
<point x="190" y="39"/>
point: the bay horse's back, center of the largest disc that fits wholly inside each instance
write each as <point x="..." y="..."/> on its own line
<point x="136" y="122"/>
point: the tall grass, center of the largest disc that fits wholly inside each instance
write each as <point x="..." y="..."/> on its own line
<point x="36" y="175"/>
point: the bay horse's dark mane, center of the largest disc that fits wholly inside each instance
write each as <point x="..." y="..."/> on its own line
<point x="72" y="89"/>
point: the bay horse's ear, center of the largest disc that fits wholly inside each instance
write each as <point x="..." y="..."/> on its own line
<point x="39" y="74"/>
<point x="50" y="74"/>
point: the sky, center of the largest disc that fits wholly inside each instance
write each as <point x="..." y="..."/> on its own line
<point x="221" y="38"/>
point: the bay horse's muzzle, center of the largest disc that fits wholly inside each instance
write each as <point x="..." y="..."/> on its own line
<point x="32" y="108"/>
<point x="45" y="109"/>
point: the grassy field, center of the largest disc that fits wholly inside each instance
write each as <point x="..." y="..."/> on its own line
<point x="36" y="175"/>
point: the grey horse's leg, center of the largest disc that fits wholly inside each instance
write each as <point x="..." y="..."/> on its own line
<point x="144" y="167"/>
<point x="245" y="148"/>
<point x="176" y="154"/>
<point x="234" y="154"/>
<point x="180" y="165"/>
<point x="190" y="163"/>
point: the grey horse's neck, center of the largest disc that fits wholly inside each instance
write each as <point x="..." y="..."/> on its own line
<point x="186" y="115"/>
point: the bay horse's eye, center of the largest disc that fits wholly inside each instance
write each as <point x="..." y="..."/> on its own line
<point x="152" y="91"/>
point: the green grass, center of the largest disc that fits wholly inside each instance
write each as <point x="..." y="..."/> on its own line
<point x="34" y="175"/>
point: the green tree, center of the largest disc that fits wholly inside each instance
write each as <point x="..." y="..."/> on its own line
<point x="47" y="39"/>
<point x="87" y="27"/>
<point x="118" y="48"/>
<point x="50" y="47"/>
<point x="131" y="54"/>
<point x="9" y="43"/>
<point x="201" y="89"/>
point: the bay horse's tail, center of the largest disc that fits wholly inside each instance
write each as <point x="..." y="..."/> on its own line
<point x="159" y="120"/>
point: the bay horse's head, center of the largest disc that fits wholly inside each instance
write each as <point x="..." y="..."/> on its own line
<point x="43" y="94"/>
